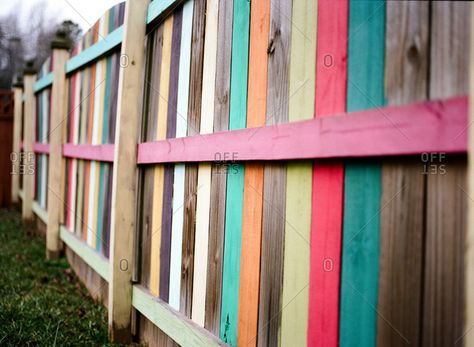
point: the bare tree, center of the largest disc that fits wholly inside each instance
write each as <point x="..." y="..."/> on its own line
<point x="27" y="35"/>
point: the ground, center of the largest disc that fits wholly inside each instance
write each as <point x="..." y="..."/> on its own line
<point x="42" y="302"/>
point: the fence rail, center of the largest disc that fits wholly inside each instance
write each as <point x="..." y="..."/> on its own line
<point x="260" y="173"/>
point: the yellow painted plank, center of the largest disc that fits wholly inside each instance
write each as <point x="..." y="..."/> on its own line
<point x="299" y="177"/>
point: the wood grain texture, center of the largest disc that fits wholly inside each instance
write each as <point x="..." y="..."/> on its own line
<point x="446" y="199"/>
<point x="190" y="187"/>
<point x="469" y="255"/>
<point x="296" y="264"/>
<point x="253" y="178"/>
<point x="166" y="224"/>
<point x="218" y="171"/>
<point x="328" y="179"/>
<point x="439" y="126"/>
<point x="123" y="181"/>
<point x="406" y="68"/>
<point x="28" y="133"/>
<point x="235" y="175"/>
<point x="204" y="171"/>
<point x="179" y="170"/>
<point x="362" y="180"/>
<point x="274" y="188"/>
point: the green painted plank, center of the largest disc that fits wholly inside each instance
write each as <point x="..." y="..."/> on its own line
<point x="159" y="7"/>
<point x="44" y="82"/>
<point x="174" y="324"/>
<point x="235" y="175"/>
<point x="96" y="50"/>
<point x="40" y="212"/>
<point x="96" y="261"/>
<point x="362" y="187"/>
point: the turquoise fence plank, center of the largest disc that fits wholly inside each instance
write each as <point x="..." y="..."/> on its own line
<point x="235" y="175"/>
<point x="158" y="7"/>
<point x="362" y="186"/>
<point x="96" y="50"/>
<point x="44" y="82"/>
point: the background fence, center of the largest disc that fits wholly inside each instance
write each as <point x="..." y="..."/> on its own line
<point x="261" y="173"/>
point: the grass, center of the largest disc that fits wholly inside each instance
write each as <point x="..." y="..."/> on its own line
<point x="42" y="302"/>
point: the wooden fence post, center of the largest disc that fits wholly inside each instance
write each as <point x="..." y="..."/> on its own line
<point x="18" y="105"/>
<point x="469" y="262"/>
<point x="28" y="132"/>
<point x="125" y="171"/>
<point x="56" y="139"/>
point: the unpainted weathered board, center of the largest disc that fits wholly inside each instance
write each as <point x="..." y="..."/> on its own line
<point x="191" y="188"/>
<point x="218" y="171"/>
<point x="406" y="68"/>
<point x="446" y="189"/>
<point x="274" y="188"/>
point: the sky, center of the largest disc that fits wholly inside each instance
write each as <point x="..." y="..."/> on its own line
<point x="83" y="12"/>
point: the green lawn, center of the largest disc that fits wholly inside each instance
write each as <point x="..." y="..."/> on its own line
<point x="42" y="303"/>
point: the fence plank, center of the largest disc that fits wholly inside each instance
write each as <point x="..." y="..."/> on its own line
<point x="273" y="224"/>
<point x="469" y="248"/>
<point x="235" y="175"/>
<point x="446" y="188"/>
<point x="296" y="259"/>
<point x="204" y="170"/>
<point x="328" y="179"/>
<point x="179" y="170"/>
<point x="218" y="171"/>
<point x="399" y="300"/>
<point x="193" y="126"/>
<point x="125" y="173"/>
<point x="362" y="184"/>
<point x="253" y="178"/>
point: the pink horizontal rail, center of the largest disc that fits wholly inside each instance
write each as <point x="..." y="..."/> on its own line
<point x="42" y="148"/>
<point x="432" y="126"/>
<point x="89" y="152"/>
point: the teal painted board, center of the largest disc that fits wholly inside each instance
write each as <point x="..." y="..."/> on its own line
<point x="96" y="50"/>
<point x="44" y="82"/>
<point x="158" y="7"/>
<point x="362" y="187"/>
<point x="235" y="175"/>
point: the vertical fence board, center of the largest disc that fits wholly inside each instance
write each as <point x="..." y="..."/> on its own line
<point x="298" y="180"/>
<point x="218" y="171"/>
<point x="253" y="178"/>
<point x="362" y="184"/>
<point x="190" y="187"/>
<point x="235" y="175"/>
<point x="327" y="193"/>
<point x="179" y="170"/>
<point x="406" y="65"/>
<point x="443" y="294"/>
<point x="203" y="200"/>
<point x="273" y="225"/>
<point x="469" y="255"/>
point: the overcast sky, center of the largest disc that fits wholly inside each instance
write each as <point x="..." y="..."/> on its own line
<point x="83" y="12"/>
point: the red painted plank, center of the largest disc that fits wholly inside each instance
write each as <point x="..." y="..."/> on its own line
<point x="42" y="148"/>
<point x="89" y="152"/>
<point x="432" y="126"/>
<point x="328" y="179"/>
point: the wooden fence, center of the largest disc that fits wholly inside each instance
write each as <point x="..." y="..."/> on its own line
<point x="261" y="172"/>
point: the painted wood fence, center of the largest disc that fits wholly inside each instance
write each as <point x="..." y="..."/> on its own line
<point x="271" y="173"/>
